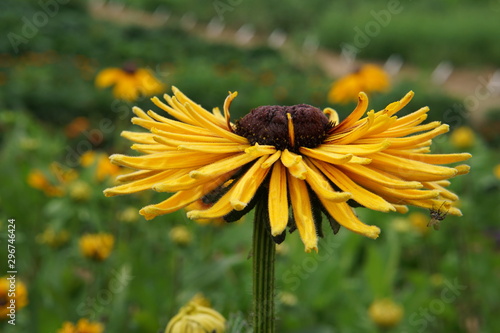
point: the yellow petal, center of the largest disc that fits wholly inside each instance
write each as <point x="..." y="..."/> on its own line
<point x="294" y="163"/>
<point x="247" y="185"/>
<point x="166" y="160"/>
<point x="322" y="187"/>
<point x="324" y="155"/>
<point x="278" y="200"/>
<point x="409" y="169"/>
<point x="379" y="177"/>
<point x="355" y="149"/>
<point x="222" y="166"/>
<point x="345" y="216"/>
<point x="358" y="112"/>
<point x="108" y="76"/>
<point x="361" y="195"/>
<point x="271" y="159"/>
<point x="431" y="158"/>
<point x="302" y="213"/>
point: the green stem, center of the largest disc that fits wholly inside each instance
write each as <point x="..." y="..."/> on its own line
<point x="263" y="272"/>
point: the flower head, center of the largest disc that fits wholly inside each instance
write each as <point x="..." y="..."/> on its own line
<point x="369" y="78"/>
<point x="13" y="296"/>
<point x="129" y="82"/>
<point x="82" y="326"/>
<point x="288" y="156"/>
<point x="97" y="246"/>
<point x="197" y="317"/>
<point x="463" y="137"/>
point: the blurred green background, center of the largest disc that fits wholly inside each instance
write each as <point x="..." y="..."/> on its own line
<point x="448" y="52"/>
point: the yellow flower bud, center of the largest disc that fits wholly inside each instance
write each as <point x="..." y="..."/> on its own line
<point x="196" y="318"/>
<point x="385" y="312"/>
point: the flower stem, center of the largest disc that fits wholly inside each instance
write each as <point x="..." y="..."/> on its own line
<point x="263" y="272"/>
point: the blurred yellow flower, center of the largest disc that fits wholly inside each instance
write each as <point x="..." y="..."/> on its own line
<point x="129" y="82"/>
<point x="180" y="235"/>
<point x="80" y="190"/>
<point x="196" y="318"/>
<point x="419" y="222"/>
<point x="385" y="313"/>
<point x="105" y="168"/>
<point x="82" y="326"/>
<point x="128" y="215"/>
<point x="401" y="224"/>
<point x="496" y="171"/>
<point x="463" y="137"/>
<point x="88" y="158"/>
<point x="369" y="78"/>
<point x="288" y="299"/>
<point x="38" y="180"/>
<point x="76" y="126"/>
<point x="13" y="296"/>
<point x="97" y="246"/>
<point x="53" y="238"/>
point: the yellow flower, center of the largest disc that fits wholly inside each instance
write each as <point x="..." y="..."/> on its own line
<point x="13" y="296"/>
<point x="288" y="299"/>
<point x="38" y="180"/>
<point x="76" y="126"/>
<point x="180" y="235"/>
<point x="463" y="137"/>
<point x="53" y="238"/>
<point x="385" y="313"/>
<point x="128" y="215"/>
<point x="129" y="82"/>
<point x="419" y="222"/>
<point x="105" y="168"/>
<point x="288" y="156"/>
<point x="496" y="171"/>
<point x="196" y="317"/>
<point x="369" y="78"/>
<point x="97" y="246"/>
<point x="82" y="326"/>
<point x="88" y="158"/>
<point x="80" y="190"/>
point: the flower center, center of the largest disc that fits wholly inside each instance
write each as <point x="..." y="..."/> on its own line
<point x="285" y="127"/>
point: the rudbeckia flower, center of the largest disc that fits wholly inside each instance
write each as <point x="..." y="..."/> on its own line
<point x="284" y="157"/>
<point x="11" y="302"/>
<point x="97" y="246"/>
<point x="369" y="78"/>
<point x="198" y="317"/>
<point x="129" y="82"/>
<point x="82" y="326"/>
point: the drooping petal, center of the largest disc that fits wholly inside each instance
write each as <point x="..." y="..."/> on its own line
<point x="302" y="213"/>
<point x="278" y="199"/>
